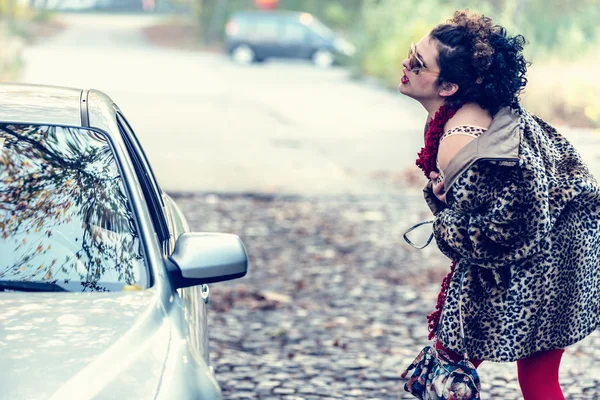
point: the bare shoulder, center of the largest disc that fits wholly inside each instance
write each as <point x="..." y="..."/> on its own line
<point x="450" y="146"/>
<point x="470" y="114"/>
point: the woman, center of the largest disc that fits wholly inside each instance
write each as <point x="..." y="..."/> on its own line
<point x="515" y="207"/>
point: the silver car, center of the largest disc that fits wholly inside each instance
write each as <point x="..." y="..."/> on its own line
<point x="103" y="289"/>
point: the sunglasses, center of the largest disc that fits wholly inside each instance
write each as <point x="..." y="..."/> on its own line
<point x="416" y="64"/>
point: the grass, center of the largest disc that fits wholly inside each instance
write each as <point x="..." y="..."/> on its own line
<point x="565" y="92"/>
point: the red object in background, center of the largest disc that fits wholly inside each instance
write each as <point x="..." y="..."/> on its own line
<point x="266" y="4"/>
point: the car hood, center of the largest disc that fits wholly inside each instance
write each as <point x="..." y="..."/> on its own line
<point x="52" y="344"/>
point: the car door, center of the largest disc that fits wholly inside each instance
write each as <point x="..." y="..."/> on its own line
<point x="195" y="298"/>
<point x="295" y="40"/>
<point x="192" y="300"/>
<point x="263" y="34"/>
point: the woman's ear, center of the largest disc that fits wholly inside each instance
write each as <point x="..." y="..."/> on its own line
<point x="447" y="89"/>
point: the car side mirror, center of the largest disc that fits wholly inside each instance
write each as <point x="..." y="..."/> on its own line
<point x="207" y="257"/>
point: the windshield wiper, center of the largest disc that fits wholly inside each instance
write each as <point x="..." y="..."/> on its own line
<point x="23" y="286"/>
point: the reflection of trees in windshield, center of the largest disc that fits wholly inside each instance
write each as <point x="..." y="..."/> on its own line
<point x="64" y="216"/>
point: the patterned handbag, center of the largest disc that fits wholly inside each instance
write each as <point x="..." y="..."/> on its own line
<point x="434" y="375"/>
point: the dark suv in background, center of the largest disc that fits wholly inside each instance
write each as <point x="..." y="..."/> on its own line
<point x="254" y="36"/>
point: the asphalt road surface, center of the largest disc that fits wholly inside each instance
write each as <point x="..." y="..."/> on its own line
<point x="210" y="125"/>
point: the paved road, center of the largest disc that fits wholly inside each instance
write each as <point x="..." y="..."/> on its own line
<point x="208" y="124"/>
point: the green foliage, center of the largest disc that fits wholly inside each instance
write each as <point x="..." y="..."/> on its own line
<point x="565" y="97"/>
<point x="7" y="8"/>
<point x="340" y="14"/>
<point x="42" y="16"/>
<point x="556" y="23"/>
<point x="336" y="15"/>
<point x="386" y="31"/>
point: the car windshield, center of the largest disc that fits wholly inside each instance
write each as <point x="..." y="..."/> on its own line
<point x="320" y="29"/>
<point x="65" y="218"/>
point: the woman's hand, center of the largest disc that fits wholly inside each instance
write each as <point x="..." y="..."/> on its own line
<point x="438" y="186"/>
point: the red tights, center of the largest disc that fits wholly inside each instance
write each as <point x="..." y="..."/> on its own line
<point x="538" y="373"/>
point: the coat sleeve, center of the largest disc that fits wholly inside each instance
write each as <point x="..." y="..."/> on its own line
<point x="508" y="226"/>
<point x="435" y="204"/>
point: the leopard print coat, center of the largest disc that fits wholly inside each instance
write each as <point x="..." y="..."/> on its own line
<point x="522" y="222"/>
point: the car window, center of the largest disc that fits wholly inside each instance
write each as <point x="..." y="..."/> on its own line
<point x="65" y="217"/>
<point x="321" y="30"/>
<point x="123" y="124"/>
<point x="145" y="174"/>
<point x="294" y="32"/>
<point x="237" y="26"/>
<point x="264" y="29"/>
<point x="177" y="221"/>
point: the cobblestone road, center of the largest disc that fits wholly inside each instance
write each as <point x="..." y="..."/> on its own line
<point x="334" y="304"/>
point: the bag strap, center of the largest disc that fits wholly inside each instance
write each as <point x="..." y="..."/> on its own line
<point x="462" y="329"/>
<point x="412" y="228"/>
<point x="462" y="278"/>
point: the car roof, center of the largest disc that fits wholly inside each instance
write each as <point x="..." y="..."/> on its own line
<point x="47" y="105"/>
<point x="268" y="14"/>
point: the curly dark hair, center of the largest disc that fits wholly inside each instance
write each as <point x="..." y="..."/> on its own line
<point x="482" y="59"/>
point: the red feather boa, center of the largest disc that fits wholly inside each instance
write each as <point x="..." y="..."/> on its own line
<point x="428" y="154"/>
<point x="433" y="319"/>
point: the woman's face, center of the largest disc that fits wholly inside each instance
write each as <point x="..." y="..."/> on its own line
<point x="420" y="83"/>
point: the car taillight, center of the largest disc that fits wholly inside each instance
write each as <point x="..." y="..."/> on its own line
<point x="231" y="28"/>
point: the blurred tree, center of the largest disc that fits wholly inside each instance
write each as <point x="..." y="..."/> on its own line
<point x="559" y="24"/>
<point x="341" y="14"/>
<point x="210" y="16"/>
<point x="7" y="9"/>
<point x="385" y="31"/>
